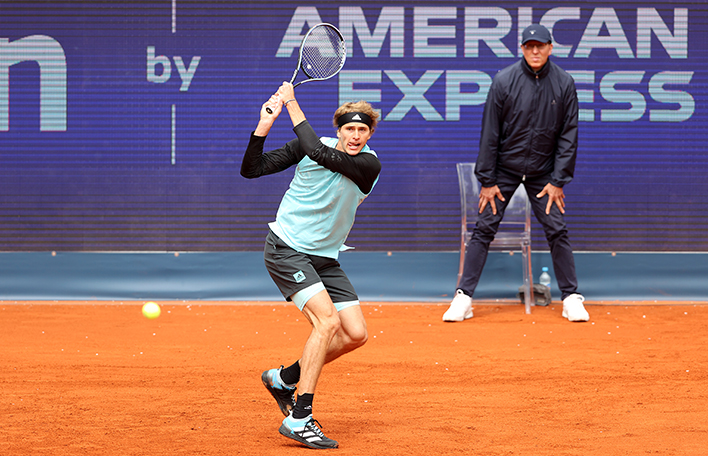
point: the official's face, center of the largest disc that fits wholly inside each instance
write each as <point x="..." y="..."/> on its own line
<point x="536" y="53"/>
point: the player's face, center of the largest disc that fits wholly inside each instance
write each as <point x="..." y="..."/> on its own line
<point x="536" y="53"/>
<point x="353" y="137"/>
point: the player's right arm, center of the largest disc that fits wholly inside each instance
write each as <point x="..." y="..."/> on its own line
<point x="255" y="163"/>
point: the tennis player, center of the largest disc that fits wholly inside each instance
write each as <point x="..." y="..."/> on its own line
<point x="333" y="176"/>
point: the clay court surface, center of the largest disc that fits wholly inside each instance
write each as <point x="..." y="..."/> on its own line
<point x="100" y="379"/>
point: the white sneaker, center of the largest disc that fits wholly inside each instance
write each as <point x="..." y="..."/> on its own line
<point x="460" y="308"/>
<point x="573" y="308"/>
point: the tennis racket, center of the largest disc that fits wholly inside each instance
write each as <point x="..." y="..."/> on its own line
<point x="322" y="54"/>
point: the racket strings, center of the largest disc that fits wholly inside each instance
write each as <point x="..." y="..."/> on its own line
<point x="323" y="53"/>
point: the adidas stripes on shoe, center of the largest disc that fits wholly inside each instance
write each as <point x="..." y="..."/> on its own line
<point x="307" y="432"/>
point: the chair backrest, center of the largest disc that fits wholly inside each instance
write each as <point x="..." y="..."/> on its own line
<point x="515" y="227"/>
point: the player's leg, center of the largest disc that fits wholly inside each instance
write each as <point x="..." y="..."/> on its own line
<point x="295" y="276"/>
<point x="297" y="279"/>
<point x="353" y="332"/>
<point x="324" y="318"/>
<point x="345" y="333"/>
<point x="351" y="335"/>
<point x="300" y="424"/>
<point x="556" y="232"/>
<point x="282" y="391"/>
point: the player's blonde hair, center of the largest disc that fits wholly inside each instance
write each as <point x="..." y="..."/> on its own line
<point x="357" y="106"/>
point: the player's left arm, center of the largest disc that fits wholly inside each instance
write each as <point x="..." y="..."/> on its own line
<point x="362" y="169"/>
<point x="286" y="93"/>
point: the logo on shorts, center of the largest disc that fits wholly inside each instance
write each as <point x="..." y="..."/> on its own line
<point x="299" y="276"/>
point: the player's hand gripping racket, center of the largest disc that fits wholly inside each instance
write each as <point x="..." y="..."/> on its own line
<point x="322" y="54"/>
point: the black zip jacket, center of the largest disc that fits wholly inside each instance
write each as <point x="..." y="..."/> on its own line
<point x="530" y="125"/>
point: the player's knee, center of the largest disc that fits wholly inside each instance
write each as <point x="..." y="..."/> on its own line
<point x="329" y="325"/>
<point x="361" y="340"/>
<point x="358" y="336"/>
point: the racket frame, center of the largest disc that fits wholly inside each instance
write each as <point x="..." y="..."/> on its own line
<point x="304" y="70"/>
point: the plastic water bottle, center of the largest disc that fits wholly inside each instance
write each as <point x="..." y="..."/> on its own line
<point x="545" y="279"/>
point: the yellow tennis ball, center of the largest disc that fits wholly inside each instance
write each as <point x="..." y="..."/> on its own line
<point x="151" y="310"/>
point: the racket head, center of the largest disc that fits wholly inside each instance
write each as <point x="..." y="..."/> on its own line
<point x="323" y="52"/>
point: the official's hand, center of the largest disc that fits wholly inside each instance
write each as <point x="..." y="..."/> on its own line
<point x="555" y="195"/>
<point x="487" y="195"/>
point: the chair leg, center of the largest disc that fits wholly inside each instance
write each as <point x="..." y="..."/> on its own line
<point x="528" y="277"/>
<point x="463" y="250"/>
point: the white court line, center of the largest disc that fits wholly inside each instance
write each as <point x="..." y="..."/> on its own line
<point x="174" y="134"/>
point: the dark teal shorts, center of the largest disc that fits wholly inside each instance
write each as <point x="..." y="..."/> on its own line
<point x="293" y="271"/>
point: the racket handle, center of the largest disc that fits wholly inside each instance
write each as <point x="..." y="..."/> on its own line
<point x="269" y="110"/>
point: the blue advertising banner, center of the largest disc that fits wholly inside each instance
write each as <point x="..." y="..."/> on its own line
<point x="123" y="124"/>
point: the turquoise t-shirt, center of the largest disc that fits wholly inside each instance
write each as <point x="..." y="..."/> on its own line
<point x="317" y="211"/>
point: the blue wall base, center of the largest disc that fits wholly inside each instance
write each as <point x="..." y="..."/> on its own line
<point x="377" y="276"/>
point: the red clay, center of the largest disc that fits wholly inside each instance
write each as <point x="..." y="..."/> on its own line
<point x="100" y="379"/>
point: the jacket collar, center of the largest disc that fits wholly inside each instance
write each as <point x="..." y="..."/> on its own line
<point x="542" y="73"/>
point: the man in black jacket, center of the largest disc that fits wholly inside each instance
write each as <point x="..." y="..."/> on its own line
<point x="529" y="136"/>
